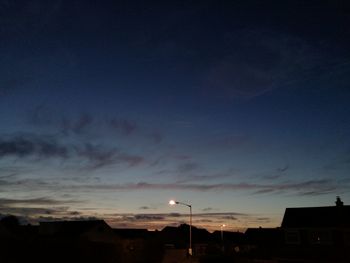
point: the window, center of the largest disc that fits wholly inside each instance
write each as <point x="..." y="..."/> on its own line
<point x="292" y="237"/>
<point x="320" y="237"/>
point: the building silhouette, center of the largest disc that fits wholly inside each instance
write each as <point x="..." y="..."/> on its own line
<point x="307" y="234"/>
<point x="321" y="234"/>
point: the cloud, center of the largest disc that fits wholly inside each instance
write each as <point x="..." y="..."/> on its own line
<point x="220" y="214"/>
<point x="262" y="59"/>
<point x="9" y="184"/>
<point x="98" y="156"/>
<point x="283" y="169"/>
<point x="264" y="191"/>
<point x="229" y="217"/>
<point x="145" y="207"/>
<point x="29" y="211"/>
<point x="207" y="209"/>
<point x="83" y="126"/>
<point x="168" y="218"/>
<point x="137" y="217"/>
<point x="43" y="116"/>
<point x="229" y="141"/>
<point x="184" y="178"/>
<point x="156" y="137"/>
<point x="310" y="187"/>
<point x="46" y="147"/>
<point x="31" y="145"/>
<point x="271" y="177"/>
<point x="38" y="211"/>
<point x="33" y="201"/>
<point x="174" y="215"/>
<point x="124" y="126"/>
<point x="77" y="126"/>
<point x="148" y="217"/>
<point x="187" y="167"/>
<point x="210" y="221"/>
<point x="319" y="186"/>
<point x="32" y="210"/>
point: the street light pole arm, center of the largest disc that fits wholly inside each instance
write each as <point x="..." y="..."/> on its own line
<point x="173" y="202"/>
<point x="181" y="203"/>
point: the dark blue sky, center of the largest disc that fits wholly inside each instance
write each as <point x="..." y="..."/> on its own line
<point x="110" y="109"/>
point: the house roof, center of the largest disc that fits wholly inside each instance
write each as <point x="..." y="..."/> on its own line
<point x="328" y="216"/>
<point x="131" y="232"/>
<point x="70" y="227"/>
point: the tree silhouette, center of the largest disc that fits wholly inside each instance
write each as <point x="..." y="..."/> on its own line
<point x="10" y="221"/>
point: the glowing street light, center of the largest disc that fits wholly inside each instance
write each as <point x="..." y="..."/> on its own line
<point x="222" y="236"/>
<point x="222" y="233"/>
<point x="173" y="202"/>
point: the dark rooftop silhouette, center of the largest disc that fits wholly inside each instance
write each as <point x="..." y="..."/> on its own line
<point x="328" y="216"/>
<point x="70" y="227"/>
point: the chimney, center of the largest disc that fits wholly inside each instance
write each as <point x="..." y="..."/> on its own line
<point x="339" y="202"/>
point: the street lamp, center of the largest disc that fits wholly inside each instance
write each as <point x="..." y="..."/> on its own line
<point x="173" y="202"/>
<point x="222" y="233"/>
<point x="222" y="236"/>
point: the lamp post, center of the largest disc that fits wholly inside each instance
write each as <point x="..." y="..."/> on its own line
<point x="222" y="236"/>
<point x="173" y="202"/>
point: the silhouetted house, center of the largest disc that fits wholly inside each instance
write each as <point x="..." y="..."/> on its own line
<point x="5" y="232"/>
<point x="139" y="245"/>
<point x="322" y="231"/>
<point x="228" y="237"/>
<point x="9" y="226"/>
<point x="175" y="241"/>
<point x="230" y="242"/>
<point x="263" y="236"/>
<point x="131" y="233"/>
<point x="262" y="243"/>
<point x="78" y="241"/>
<point x="179" y="236"/>
<point x="92" y="230"/>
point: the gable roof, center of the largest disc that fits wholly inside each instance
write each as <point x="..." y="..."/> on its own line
<point x="327" y="216"/>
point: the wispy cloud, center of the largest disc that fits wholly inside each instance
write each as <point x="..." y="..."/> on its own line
<point x="187" y="167"/>
<point x="77" y="126"/>
<point x="31" y="209"/>
<point x="230" y="217"/>
<point x="144" y="207"/>
<point x="283" y="169"/>
<point x="264" y="60"/>
<point x="309" y="187"/>
<point x="99" y="156"/>
<point x="83" y="126"/>
<point x="46" y="147"/>
<point x="207" y="209"/>
<point x="34" y="201"/>
<point x="31" y="145"/>
<point x="211" y="221"/>
<point x="319" y="186"/>
<point x="125" y="126"/>
<point x="201" y="176"/>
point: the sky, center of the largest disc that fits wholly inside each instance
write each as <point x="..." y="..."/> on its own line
<point x="109" y="109"/>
